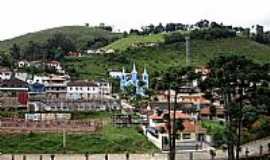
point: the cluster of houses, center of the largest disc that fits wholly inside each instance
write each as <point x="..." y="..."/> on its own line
<point x="53" y="92"/>
<point x="191" y="107"/>
<point x="58" y="93"/>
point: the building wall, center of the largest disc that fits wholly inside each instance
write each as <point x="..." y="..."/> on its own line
<point x="82" y="92"/>
<point x="154" y="123"/>
<point x="56" y="95"/>
<point x="105" y="88"/>
<point x="21" y="76"/>
<point x="5" y="75"/>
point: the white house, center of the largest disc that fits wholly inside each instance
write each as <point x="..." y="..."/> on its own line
<point x="22" y="76"/>
<point x="23" y="63"/>
<point x="82" y="89"/>
<point x="110" y="51"/>
<point x="105" y="87"/>
<point x="5" y="73"/>
<point x="191" y="137"/>
<point x="114" y="73"/>
<point x="91" y="51"/>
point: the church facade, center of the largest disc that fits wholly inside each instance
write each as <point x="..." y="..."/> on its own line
<point x="140" y="82"/>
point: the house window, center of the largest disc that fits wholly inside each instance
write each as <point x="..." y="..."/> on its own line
<point x="186" y="136"/>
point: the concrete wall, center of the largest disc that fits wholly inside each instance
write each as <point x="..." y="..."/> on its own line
<point x="157" y="156"/>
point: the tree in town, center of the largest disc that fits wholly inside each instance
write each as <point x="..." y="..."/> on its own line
<point x="235" y="80"/>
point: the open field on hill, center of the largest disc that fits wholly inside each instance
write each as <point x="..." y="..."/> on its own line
<point x="123" y="43"/>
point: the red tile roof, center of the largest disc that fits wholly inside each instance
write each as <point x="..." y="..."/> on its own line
<point x="178" y="115"/>
<point x="53" y="62"/>
<point x="155" y="116"/>
<point x="189" y="127"/>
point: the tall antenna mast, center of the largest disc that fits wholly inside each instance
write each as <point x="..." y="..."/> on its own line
<point x="188" y="51"/>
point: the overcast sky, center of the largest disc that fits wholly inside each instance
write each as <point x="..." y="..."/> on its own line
<point x="18" y="17"/>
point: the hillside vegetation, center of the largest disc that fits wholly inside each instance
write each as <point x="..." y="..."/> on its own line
<point x="81" y="35"/>
<point x="157" y="59"/>
<point x="130" y="48"/>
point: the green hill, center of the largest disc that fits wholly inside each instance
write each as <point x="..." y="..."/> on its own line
<point x="158" y="58"/>
<point x="80" y="35"/>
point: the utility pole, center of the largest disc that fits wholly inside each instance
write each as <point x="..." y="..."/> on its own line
<point x="174" y="127"/>
<point x="169" y="123"/>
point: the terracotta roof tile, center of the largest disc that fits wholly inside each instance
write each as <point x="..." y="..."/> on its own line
<point x="189" y="127"/>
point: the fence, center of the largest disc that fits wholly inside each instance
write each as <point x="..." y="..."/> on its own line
<point x="186" y="156"/>
<point x="10" y="125"/>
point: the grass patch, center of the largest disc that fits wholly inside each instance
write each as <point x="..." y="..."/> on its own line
<point x="108" y="140"/>
<point x="124" y="43"/>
